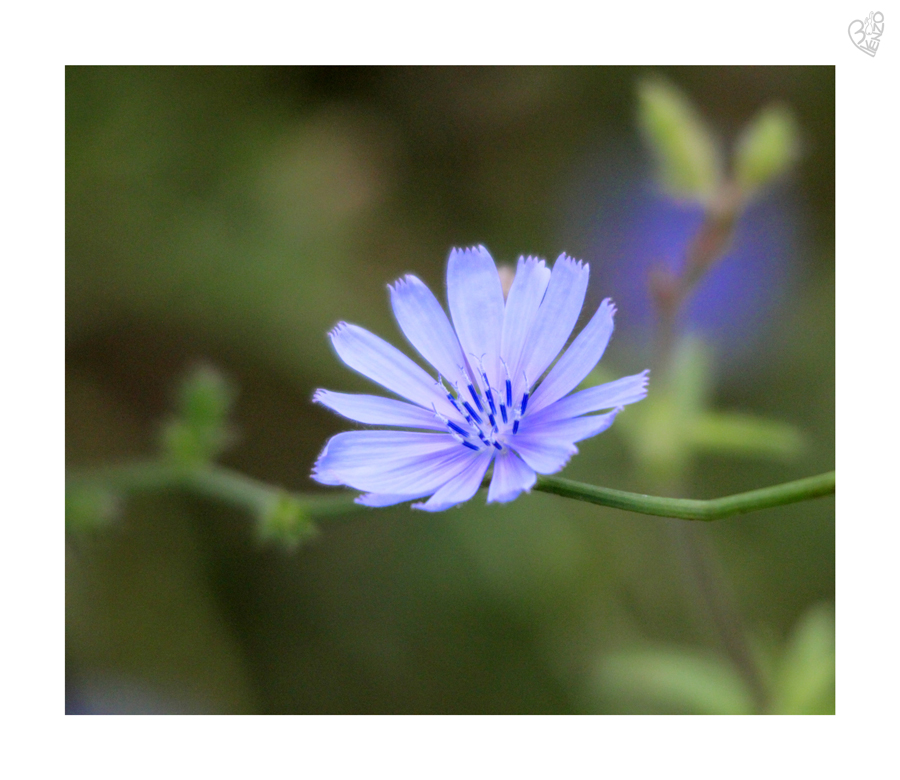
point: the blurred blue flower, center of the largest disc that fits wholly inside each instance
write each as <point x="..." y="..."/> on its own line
<point x="486" y="404"/>
<point x="623" y="222"/>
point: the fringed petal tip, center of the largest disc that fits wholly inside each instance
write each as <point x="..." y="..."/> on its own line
<point x="645" y="381"/>
<point x="476" y="249"/>
<point x="532" y="260"/>
<point x="337" y="330"/>
<point x="324" y="477"/>
<point x="404" y="281"/>
<point x="320" y="473"/>
<point x="580" y="265"/>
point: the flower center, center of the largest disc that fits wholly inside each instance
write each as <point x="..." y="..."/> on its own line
<point x="482" y="428"/>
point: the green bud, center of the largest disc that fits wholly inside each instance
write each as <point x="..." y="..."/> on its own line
<point x="688" y="157"/>
<point x="205" y="398"/>
<point x="767" y="147"/>
<point x="286" y="520"/>
<point x="199" y="433"/>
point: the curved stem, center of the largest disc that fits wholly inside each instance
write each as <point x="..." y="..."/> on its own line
<point x="688" y="508"/>
<point x="237" y="489"/>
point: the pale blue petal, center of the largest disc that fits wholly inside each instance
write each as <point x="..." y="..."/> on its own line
<point x="352" y="455"/>
<point x="418" y="477"/>
<point x="462" y="486"/>
<point x="578" y="360"/>
<point x="375" y="410"/>
<point x="374" y="358"/>
<point x="511" y="476"/>
<point x="476" y="303"/>
<point x="398" y="474"/>
<point x="522" y="304"/>
<point x="567" y="431"/>
<point x="627" y="390"/>
<point x="425" y="324"/>
<point x="545" y="457"/>
<point x="385" y="499"/>
<point x="557" y="316"/>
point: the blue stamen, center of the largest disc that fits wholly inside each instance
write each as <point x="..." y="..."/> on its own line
<point x="471" y="446"/>
<point x="503" y="412"/>
<point x="472" y="411"/>
<point x="497" y="445"/>
<point x="493" y="421"/>
<point x="524" y="404"/>
<point x="453" y="426"/>
<point x="475" y="398"/>
<point x="490" y="396"/>
<point x="508" y="393"/>
<point x="515" y="426"/>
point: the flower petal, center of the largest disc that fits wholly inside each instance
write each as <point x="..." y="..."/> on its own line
<point x="385" y="499"/>
<point x="476" y="303"/>
<point x="425" y="324"/>
<point x="557" y="316"/>
<point x="417" y="477"/>
<point x="361" y="458"/>
<point x="374" y="358"/>
<point x="543" y="457"/>
<point x="511" y="476"/>
<point x="375" y="410"/>
<point x="566" y="431"/>
<point x="627" y="390"/>
<point x="578" y="360"/>
<point x="462" y="486"/>
<point x="522" y="304"/>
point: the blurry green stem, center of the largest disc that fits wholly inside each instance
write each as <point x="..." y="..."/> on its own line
<point x="210" y="481"/>
<point x="250" y="494"/>
<point x="693" y="509"/>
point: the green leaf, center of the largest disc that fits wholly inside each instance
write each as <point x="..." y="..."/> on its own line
<point x="805" y="680"/>
<point x="766" y="149"/>
<point x="673" y="680"/>
<point x="659" y="427"/>
<point x="89" y="507"/>
<point x="745" y="434"/>
<point x="689" y="159"/>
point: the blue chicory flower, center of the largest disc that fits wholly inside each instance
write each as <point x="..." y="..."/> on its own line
<point x="486" y="405"/>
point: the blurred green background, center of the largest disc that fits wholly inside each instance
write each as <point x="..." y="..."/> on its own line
<point x="234" y="215"/>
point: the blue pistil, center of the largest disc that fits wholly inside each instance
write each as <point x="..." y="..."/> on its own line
<point x="452" y="400"/>
<point x="471" y="411"/>
<point x="475" y="398"/>
<point x="490" y="396"/>
<point x="454" y="427"/>
<point x="450" y="396"/>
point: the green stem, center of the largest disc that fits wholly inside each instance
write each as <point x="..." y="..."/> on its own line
<point x="688" y="508"/>
<point x="239" y="490"/>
